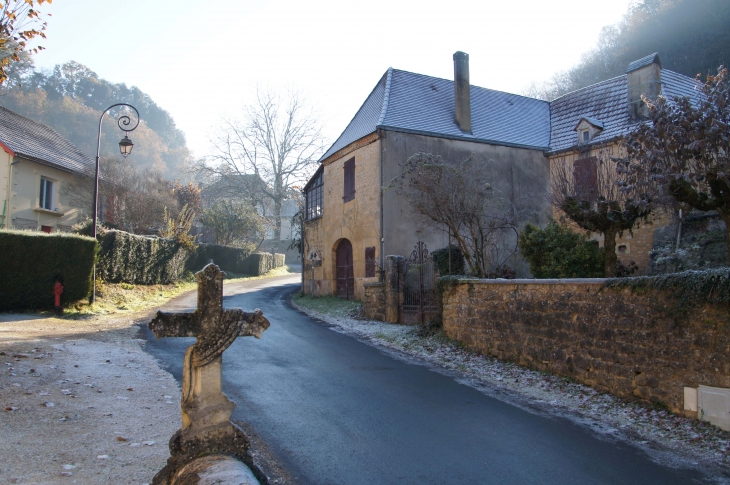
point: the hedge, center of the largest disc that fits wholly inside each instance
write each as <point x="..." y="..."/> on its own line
<point x="31" y="261"/>
<point x="227" y="258"/>
<point x="145" y="260"/>
<point x="142" y="260"/>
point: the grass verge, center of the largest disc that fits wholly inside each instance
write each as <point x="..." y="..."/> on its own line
<point x="115" y="298"/>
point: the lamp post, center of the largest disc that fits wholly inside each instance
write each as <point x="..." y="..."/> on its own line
<point x="125" y="147"/>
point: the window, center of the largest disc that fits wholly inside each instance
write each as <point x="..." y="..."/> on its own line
<point x="585" y="175"/>
<point x="586" y="136"/>
<point x="47" y="194"/>
<point x="349" y="192"/>
<point x="370" y="262"/>
<point x="314" y="196"/>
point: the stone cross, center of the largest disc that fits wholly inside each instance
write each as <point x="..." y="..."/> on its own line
<point x="206" y="411"/>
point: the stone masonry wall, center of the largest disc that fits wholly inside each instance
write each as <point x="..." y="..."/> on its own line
<point x="643" y="346"/>
<point x="374" y="302"/>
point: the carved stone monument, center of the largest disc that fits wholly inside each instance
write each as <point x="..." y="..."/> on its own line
<point x="206" y="411"/>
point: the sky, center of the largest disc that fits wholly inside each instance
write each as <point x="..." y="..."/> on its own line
<point x="202" y="61"/>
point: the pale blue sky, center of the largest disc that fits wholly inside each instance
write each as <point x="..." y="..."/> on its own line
<point x="202" y="60"/>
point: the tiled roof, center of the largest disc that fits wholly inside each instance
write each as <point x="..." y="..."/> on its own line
<point x="644" y="61"/>
<point x="415" y="103"/>
<point x="41" y="143"/>
<point x="607" y="102"/>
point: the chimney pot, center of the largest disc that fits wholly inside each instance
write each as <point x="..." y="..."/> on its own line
<point x="462" y="91"/>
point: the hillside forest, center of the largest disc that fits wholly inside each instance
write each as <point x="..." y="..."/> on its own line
<point x="691" y="37"/>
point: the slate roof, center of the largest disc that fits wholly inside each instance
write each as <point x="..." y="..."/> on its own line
<point x="605" y="101"/>
<point x="40" y="143"/>
<point x="644" y="61"/>
<point x="415" y="103"/>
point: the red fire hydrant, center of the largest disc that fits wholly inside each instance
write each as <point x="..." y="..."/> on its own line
<point x="57" y="291"/>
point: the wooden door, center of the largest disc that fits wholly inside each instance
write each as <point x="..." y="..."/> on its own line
<point x="345" y="274"/>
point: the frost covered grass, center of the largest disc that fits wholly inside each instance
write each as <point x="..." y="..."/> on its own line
<point x="120" y="298"/>
<point x="669" y="437"/>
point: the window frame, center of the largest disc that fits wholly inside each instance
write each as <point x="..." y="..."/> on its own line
<point x="43" y="196"/>
<point x="314" y="196"/>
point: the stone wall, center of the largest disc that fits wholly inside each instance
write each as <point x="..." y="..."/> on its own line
<point x="374" y="302"/>
<point x="644" y="346"/>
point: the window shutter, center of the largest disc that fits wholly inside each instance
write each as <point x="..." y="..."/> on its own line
<point x="349" y="179"/>
<point x="585" y="174"/>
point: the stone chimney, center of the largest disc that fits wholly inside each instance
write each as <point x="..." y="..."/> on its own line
<point x="462" y="93"/>
<point x="643" y="76"/>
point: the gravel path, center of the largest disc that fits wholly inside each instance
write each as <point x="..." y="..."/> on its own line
<point x="669" y="439"/>
<point x="80" y="402"/>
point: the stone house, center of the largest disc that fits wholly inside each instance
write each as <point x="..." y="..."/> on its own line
<point x="352" y="222"/>
<point x="41" y="177"/>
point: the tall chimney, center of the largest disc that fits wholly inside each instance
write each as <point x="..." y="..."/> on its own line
<point x="462" y="94"/>
<point x="643" y="76"/>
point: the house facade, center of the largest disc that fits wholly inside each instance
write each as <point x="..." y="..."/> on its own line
<point x="352" y="220"/>
<point x="43" y="177"/>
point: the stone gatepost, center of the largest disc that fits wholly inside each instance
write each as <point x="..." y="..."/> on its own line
<point x="393" y="287"/>
<point x="206" y="427"/>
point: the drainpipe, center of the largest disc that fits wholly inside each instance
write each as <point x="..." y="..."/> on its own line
<point x="382" y="239"/>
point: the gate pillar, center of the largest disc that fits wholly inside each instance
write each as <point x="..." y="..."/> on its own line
<point x="393" y="287"/>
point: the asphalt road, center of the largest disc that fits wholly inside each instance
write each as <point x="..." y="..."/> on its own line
<point x="334" y="410"/>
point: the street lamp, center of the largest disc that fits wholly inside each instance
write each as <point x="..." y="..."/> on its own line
<point x="125" y="147"/>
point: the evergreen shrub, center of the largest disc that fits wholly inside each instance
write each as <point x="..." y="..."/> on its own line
<point x="441" y="260"/>
<point x="140" y="259"/>
<point x="558" y="252"/>
<point x="226" y="257"/>
<point x="31" y="261"/>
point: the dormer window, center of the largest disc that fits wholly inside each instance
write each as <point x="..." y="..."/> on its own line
<point x="588" y="129"/>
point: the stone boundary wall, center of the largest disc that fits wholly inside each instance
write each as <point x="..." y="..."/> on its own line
<point x="641" y="344"/>
<point x="374" y="302"/>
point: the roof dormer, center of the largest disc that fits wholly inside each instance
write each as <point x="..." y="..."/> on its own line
<point x="587" y="129"/>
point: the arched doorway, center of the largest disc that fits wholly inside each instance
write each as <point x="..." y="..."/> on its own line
<point x="345" y="276"/>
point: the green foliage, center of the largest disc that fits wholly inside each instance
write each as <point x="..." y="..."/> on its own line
<point x="141" y="260"/>
<point x="31" y="261"/>
<point x="144" y="260"/>
<point x="234" y="224"/>
<point x="558" y="252"/>
<point x="441" y="260"/>
<point x="227" y="258"/>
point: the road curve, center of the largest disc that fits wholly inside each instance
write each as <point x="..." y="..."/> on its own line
<point x="334" y="410"/>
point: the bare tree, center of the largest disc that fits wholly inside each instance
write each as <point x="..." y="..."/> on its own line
<point x="461" y="198"/>
<point x="593" y="192"/>
<point x="266" y="151"/>
<point x="686" y="147"/>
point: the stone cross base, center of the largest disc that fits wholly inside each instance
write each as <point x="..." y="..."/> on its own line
<point x="227" y="440"/>
<point x="215" y="469"/>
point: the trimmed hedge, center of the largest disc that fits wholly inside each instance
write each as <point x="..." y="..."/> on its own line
<point x="441" y="260"/>
<point x="227" y="258"/>
<point x="31" y="261"/>
<point x="142" y="260"/>
<point x="279" y="260"/>
<point x="145" y="260"/>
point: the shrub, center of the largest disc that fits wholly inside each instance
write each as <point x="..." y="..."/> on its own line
<point x="31" y="261"/>
<point x="441" y="260"/>
<point x="141" y="260"/>
<point x="259" y="263"/>
<point x="558" y="252"/>
<point x="227" y="258"/>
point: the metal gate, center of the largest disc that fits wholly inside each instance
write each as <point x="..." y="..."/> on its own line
<point x="419" y="286"/>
